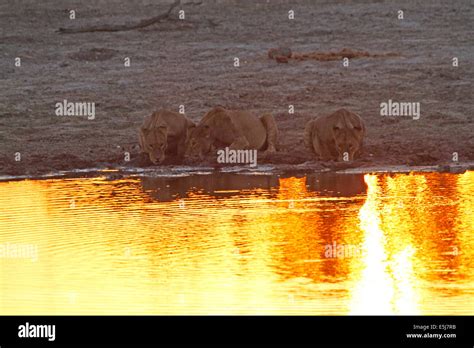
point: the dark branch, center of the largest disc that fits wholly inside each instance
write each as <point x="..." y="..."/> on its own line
<point x="123" y="27"/>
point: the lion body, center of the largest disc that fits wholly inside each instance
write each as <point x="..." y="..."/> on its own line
<point x="233" y="128"/>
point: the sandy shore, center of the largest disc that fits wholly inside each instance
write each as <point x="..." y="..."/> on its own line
<point x="191" y="63"/>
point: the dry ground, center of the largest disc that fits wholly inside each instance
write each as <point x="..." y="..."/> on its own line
<point x="191" y="62"/>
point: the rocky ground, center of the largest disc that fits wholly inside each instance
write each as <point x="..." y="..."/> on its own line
<point x="190" y="62"/>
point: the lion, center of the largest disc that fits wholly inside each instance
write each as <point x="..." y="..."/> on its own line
<point x="164" y="133"/>
<point x="232" y="128"/>
<point x="336" y="136"/>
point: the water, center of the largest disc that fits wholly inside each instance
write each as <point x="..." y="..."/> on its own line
<point x="239" y="244"/>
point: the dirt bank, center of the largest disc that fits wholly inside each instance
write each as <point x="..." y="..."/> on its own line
<point x="191" y="63"/>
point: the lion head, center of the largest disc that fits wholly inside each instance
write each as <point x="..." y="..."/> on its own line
<point x="348" y="140"/>
<point x="155" y="141"/>
<point x="199" y="142"/>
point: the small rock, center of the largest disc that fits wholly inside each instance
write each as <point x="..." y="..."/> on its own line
<point x="274" y="53"/>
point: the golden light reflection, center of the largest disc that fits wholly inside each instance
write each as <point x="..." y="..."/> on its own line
<point x="374" y="290"/>
<point x="412" y="243"/>
<point x="239" y="245"/>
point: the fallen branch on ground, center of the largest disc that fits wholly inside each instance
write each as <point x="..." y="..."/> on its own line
<point x="122" y="27"/>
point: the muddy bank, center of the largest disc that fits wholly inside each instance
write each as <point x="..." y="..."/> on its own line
<point x="191" y="63"/>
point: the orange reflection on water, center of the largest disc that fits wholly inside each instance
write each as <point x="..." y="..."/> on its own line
<point x="386" y="284"/>
<point x="240" y="244"/>
<point x="413" y="224"/>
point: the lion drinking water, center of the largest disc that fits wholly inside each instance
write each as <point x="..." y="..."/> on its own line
<point x="336" y="136"/>
<point x="164" y="133"/>
<point x="221" y="128"/>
